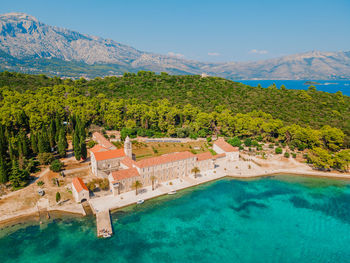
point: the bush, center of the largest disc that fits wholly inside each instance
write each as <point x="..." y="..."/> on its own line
<point x="104" y="184"/>
<point x="40" y="183"/>
<point x="56" y="166"/>
<point x="259" y="138"/>
<point x="58" y="197"/>
<point x="45" y="158"/>
<point x="294" y="155"/>
<point x="255" y="143"/>
<point x="278" y="150"/>
<point x="235" y="142"/>
<point x="286" y="154"/>
<point x="91" y="186"/>
<point x="208" y="139"/>
<point x="248" y="142"/>
<point x="91" y="144"/>
<point x="271" y="146"/>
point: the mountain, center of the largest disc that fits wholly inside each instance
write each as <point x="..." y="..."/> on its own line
<point x="30" y="46"/>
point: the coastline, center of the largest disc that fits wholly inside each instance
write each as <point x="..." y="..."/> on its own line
<point x="31" y="216"/>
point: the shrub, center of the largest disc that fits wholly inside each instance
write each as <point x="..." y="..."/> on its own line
<point x="56" y="166"/>
<point x="278" y="150"/>
<point x="286" y="154"/>
<point x="235" y="141"/>
<point x="45" y="158"/>
<point x="241" y="147"/>
<point x="91" y="144"/>
<point x="104" y="184"/>
<point x="91" y="186"/>
<point x="40" y="183"/>
<point x="255" y="143"/>
<point x="271" y="146"/>
<point x="259" y="138"/>
<point x="58" y="197"/>
<point x="294" y="155"/>
<point x="208" y="139"/>
<point x="248" y="142"/>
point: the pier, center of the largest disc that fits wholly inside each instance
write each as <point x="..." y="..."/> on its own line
<point x="103" y="224"/>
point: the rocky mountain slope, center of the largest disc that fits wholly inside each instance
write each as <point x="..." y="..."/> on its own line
<point x="27" y="45"/>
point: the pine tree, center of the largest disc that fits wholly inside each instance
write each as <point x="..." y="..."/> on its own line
<point x="17" y="177"/>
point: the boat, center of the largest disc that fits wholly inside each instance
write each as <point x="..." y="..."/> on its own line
<point x="140" y="201"/>
<point x="172" y="192"/>
<point x="106" y="235"/>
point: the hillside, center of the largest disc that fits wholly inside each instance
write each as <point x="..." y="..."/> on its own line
<point x="30" y="46"/>
<point x="314" y="108"/>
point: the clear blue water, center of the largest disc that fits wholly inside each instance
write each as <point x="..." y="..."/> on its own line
<point x="280" y="219"/>
<point x="331" y="86"/>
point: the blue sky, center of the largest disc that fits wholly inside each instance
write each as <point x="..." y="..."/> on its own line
<point x="215" y="30"/>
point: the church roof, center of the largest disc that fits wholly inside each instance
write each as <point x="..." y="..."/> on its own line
<point x="204" y="156"/>
<point x="111" y="154"/>
<point x="166" y="158"/>
<point x="103" y="141"/>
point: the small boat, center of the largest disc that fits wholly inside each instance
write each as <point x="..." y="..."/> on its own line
<point x="140" y="201"/>
<point x="172" y="192"/>
<point x="106" y="235"/>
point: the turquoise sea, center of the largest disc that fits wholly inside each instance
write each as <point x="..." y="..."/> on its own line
<point x="330" y="86"/>
<point x="277" y="219"/>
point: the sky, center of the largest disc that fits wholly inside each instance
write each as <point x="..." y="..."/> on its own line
<point x="217" y="30"/>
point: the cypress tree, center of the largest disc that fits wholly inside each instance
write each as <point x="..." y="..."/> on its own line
<point x="58" y="125"/>
<point x="77" y="146"/>
<point x="52" y="134"/>
<point x="3" y="170"/>
<point x="41" y="143"/>
<point x="62" y="142"/>
<point x="83" y="150"/>
<point x="34" y="142"/>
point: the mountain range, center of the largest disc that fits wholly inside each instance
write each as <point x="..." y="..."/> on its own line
<point x="30" y="46"/>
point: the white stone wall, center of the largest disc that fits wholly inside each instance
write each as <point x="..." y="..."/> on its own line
<point x="83" y="194"/>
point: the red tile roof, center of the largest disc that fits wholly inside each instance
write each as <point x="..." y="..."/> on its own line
<point x="103" y="141"/>
<point x="124" y="174"/>
<point x="79" y="184"/>
<point x="166" y="158"/>
<point x="225" y="146"/>
<point x="127" y="161"/>
<point x="98" y="148"/>
<point x="204" y="156"/>
<point x="219" y="156"/>
<point x="111" y="154"/>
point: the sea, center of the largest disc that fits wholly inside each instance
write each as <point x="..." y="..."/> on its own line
<point x="280" y="219"/>
<point x="330" y="86"/>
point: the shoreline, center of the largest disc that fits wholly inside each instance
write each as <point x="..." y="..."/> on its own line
<point x="32" y="217"/>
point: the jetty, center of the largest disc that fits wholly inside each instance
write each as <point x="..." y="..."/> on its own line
<point x="103" y="224"/>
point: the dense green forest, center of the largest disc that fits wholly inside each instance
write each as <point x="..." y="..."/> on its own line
<point x="37" y="114"/>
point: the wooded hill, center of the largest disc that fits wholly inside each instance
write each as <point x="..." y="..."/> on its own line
<point x="312" y="107"/>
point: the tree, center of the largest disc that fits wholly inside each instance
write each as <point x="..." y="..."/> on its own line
<point x="248" y="142"/>
<point x="91" y="186"/>
<point x="153" y="179"/>
<point x="18" y="178"/>
<point x="56" y="166"/>
<point x="83" y="150"/>
<point x="77" y="146"/>
<point x="235" y="141"/>
<point x="45" y="158"/>
<point x="286" y="154"/>
<point x="137" y="184"/>
<point x="342" y="160"/>
<point x="58" y="197"/>
<point x="195" y="171"/>
<point x="332" y="138"/>
<point x="34" y="143"/>
<point x="320" y="158"/>
<point x="62" y="142"/>
<point x="3" y="170"/>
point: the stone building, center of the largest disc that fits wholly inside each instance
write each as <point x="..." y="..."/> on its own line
<point x="220" y="146"/>
<point x="79" y="190"/>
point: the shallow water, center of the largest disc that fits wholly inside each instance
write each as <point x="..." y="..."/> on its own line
<point x="278" y="219"/>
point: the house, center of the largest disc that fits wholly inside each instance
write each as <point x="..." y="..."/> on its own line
<point x="122" y="180"/>
<point x="220" y="146"/>
<point x="79" y="190"/>
<point x="102" y="141"/>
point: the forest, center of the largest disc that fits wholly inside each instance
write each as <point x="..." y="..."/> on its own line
<point x="39" y="114"/>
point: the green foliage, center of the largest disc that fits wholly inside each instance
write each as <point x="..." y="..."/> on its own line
<point x="278" y="150"/>
<point x="235" y="141"/>
<point x="58" y="197"/>
<point x="18" y="177"/>
<point x="91" y="144"/>
<point x="45" y="158"/>
<point x="248" y="142"/>
<point x="40" y="183"/>
<point x="320" y="158"/>
<point x="286" y="154"/>
<point x="56" y="166"/>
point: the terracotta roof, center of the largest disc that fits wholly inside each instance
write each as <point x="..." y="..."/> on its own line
<point x="98" y="148"/>
<point x="127" y="161"/>
<point x="225" y="146"/>
<point x="102" y="140"/>
<point x="79" y="184"/>
<point x="124" y="174"/>
<point x="166" y="158"/>
<point x="204" y="156"/>
<point x="111" y="154"/>
<point x="219" y="156"/>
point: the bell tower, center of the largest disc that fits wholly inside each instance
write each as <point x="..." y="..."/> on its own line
<point x="128" y="147"/>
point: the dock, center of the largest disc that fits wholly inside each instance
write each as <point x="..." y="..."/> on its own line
<point x="103" y="224"/>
